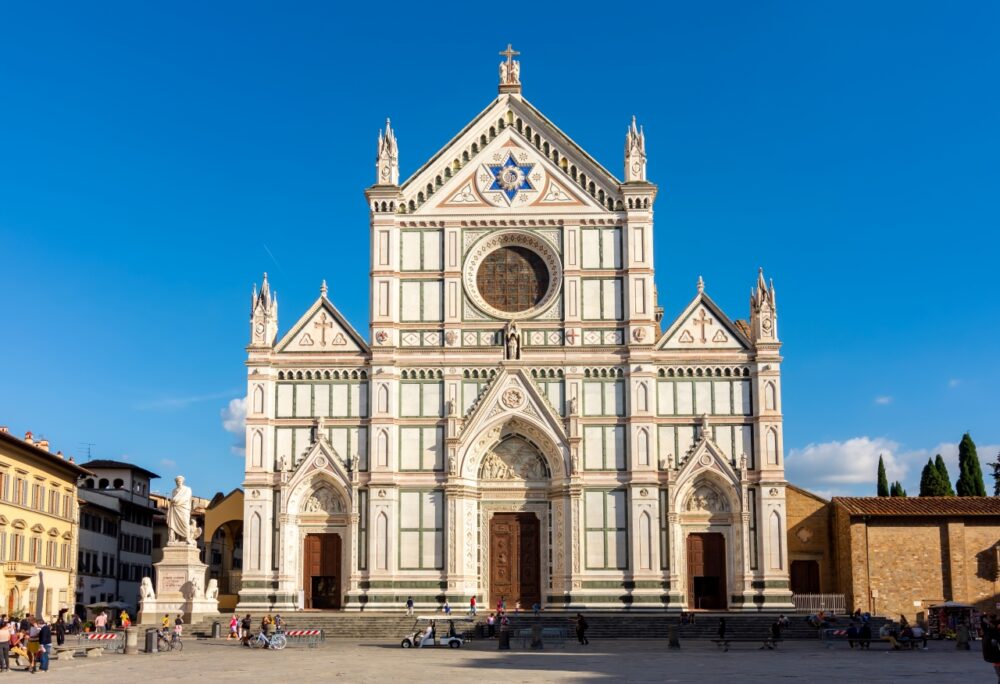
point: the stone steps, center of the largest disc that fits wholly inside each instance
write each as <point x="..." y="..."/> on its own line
<point x="381" y="626"/>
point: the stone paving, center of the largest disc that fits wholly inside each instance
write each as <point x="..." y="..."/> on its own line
<point x="628" y="661"/>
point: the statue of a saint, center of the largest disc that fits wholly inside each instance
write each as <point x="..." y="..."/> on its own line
<point x="179" y="513"/>
<point x="515" y="71"/>
<point x="513" y="341"/>
<point x="503" y="73"/>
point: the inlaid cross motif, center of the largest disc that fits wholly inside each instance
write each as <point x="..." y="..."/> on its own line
<point x="323" y="325"/>
<point x="703" y="320"/>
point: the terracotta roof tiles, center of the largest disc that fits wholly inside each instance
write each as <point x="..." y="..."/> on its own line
<point x="919" y="505"/>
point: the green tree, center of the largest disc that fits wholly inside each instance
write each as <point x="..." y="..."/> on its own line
<point x="931" y="482"/>
<point x="897" y="489"/>
<point x="945" y="477"/>
<point x="883" y="481"/>
<point x="970" y="475"/>
<point x="995" y="467"/>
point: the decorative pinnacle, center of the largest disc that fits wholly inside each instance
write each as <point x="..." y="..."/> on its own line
<point x="701" y="285"/>
<point x="323" y="289"/>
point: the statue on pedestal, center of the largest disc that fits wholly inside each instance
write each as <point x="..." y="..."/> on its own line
<point x="179" y="514"/>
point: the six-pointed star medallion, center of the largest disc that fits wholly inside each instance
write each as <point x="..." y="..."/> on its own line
<point x="510" y="177"/>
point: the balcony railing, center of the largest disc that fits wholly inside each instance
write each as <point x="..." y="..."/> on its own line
<point x="814" y="603"/>
<point x="18" y="569"/>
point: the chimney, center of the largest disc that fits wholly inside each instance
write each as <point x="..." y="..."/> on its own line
<point x="4" y="429"/>
<point x="28" y="437"/>
<point x="43" y="444"/>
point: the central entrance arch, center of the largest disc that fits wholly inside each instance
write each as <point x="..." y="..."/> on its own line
<point x="321" y="568"/>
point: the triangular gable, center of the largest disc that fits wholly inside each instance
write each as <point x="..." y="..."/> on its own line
<point x="322" y="329"/>
<point x="513" y="393"/>
<point x="446" y="176"/>
<point x="320" y="459"/>
<point x="703" y="325"/>
<point x="706" y="456"/>
<point x="539" y="183"/>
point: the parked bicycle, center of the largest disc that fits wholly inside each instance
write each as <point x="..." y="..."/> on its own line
<point x="276" y="641"/>
<point x="168" y="641"/>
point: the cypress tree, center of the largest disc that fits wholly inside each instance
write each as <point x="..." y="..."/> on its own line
<point x="945" y="478"/>
<point x="970" y="476"/>
<point x="931" y="483"/>
<point x="883" y="481"/>
<point x="897" y="489"/>
<point x="995" y="466"/>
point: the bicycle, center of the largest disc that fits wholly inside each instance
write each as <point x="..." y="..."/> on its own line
<point x="168" y="643"/>
<point x="276" y="641"/>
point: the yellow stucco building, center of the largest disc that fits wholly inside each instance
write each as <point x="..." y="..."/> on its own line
<point x="38" y="525"/>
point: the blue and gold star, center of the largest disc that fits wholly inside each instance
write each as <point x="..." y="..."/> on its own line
<point x="510" y="177"/>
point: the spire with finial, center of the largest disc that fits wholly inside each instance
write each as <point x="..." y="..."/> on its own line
<point x="510" y="72"/>
<point x="763" y="310"/>
<point x="387" y="161"/>
<point x="701" y="285"/>
<point x="322" y="288"/>
<point x="263" y="314"/>
<point x="635" y="153"/>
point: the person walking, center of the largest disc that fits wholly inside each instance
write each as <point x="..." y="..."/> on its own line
<point x="409" y="605"/>
<point x="5" y="634"/>
<point x="581" y="629"/>
<point x="179" y="626"/>
<point x="234" y="628"/>
<point x="44" y="644"/>
<point x="472" y="606"/>
<point x="101" y="622"/>
<point x="722" y="629"/>
<point x="245" y="626"/>
<point x="491" y="627"/>
<point x="125" y="619"/>
<point x="61" y="628"/>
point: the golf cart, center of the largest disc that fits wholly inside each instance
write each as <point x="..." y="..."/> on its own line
<point x="419" y="637"/>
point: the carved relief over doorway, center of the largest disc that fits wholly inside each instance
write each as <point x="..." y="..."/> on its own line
<point x="513" y="459"/>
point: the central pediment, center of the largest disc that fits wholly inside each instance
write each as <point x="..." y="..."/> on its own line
<point x="511" y="158"/>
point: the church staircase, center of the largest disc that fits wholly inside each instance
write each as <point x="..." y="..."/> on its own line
<point x="603" y="625"/>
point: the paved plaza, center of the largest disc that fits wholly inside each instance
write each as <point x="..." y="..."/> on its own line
<point x="632" y="661"/>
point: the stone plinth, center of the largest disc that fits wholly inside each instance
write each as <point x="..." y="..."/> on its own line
<point x="180" y="588"/>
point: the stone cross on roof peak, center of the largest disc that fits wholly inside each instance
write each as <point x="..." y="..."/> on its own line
<point x="510" y="71"/>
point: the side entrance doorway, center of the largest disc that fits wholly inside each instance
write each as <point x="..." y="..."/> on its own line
<point x="515" y="557"/>
<point x="321" y="571"/>
<point x="706" y="561"/>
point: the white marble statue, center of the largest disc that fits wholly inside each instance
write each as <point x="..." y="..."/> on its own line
<point x="146" y="589"/>
<point x="212" y="590"/>
<point x="179" y="514"/>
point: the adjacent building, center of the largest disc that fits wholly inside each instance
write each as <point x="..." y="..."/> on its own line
<point x="38" y="525"/>
<point x="116" y="533"/>
<point x="895" y="555"/>
<point x="516" y="422"/>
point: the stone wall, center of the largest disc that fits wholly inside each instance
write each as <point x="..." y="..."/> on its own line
<point x="810" y="528"/>
<point x="915" y="562"/>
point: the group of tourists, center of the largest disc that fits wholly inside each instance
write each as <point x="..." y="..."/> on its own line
<point x="242" y="629"/>
<point x="31" y="639"/>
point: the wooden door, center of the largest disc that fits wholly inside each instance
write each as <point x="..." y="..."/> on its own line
<point x="706" y="561"/>
<point x="805" y="577"/>
<point x="515" y="558"/>
<point x="321" y="578"/>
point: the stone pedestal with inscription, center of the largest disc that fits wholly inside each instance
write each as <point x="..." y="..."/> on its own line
<point x="180" y="589"/>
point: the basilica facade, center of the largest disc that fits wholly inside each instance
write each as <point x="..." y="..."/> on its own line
<point x="518" y="422"/>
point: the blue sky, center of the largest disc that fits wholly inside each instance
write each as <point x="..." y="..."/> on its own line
<point x="154" y="160"/>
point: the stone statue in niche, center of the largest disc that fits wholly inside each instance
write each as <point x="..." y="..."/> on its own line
<point x="512" y="341"/>
<point x="323" y="500"/>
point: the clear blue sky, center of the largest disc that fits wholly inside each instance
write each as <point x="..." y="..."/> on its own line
<point x="154" y="160"/>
